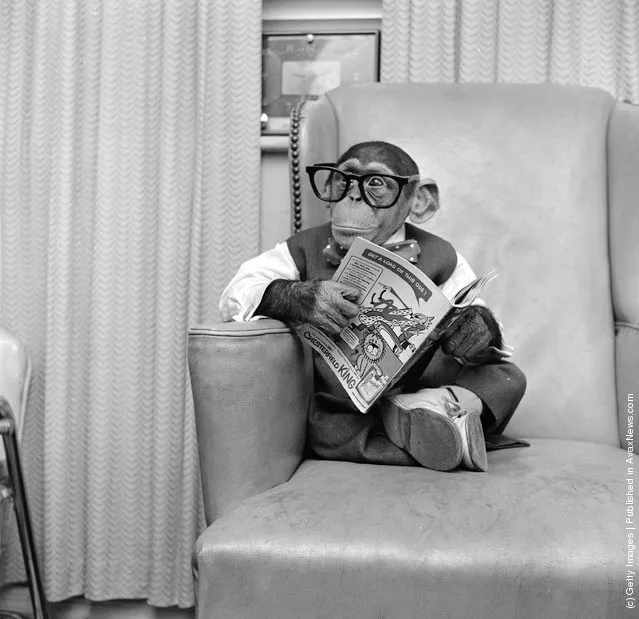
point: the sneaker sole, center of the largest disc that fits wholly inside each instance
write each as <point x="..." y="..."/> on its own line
<point x="476" y="443"/>
<point x="430" y="437"/>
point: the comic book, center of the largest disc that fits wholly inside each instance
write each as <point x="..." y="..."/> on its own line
<point x="403" y="315"/>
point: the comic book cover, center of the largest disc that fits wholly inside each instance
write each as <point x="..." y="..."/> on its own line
<point x="403" y="314"/>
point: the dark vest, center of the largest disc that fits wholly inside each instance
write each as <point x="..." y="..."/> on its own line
<point x="437" y="260"/>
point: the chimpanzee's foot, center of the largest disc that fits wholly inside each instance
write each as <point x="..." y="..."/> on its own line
<point x="439" y="429"/>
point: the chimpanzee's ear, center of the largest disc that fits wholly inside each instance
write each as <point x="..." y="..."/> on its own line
<point x="426" y="201"/>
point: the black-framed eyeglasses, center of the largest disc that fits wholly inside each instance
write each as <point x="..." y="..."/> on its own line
<point x="378" y="190"/>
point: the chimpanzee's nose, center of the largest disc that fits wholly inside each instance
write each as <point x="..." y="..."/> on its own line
<point x="357" y="195"/>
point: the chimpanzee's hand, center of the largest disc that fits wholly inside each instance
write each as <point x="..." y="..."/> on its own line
<point x="333" y="307"/>
<point x="327" y="305"/>
<point x="473" y="336"/>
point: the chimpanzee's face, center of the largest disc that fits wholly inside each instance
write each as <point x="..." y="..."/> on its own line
<point x="352" y="217"/>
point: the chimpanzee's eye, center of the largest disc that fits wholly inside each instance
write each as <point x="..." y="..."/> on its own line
<point x="381" y="190"/>
<point x="376" y="181"/>
<point x="338" y="180"/>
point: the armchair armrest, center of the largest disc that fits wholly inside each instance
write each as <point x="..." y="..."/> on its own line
<point x="251" y="388"/>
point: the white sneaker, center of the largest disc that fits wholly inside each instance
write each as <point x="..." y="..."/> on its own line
<point x="441" y="428"/>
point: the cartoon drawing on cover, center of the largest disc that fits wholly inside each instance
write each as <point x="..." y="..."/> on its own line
<point x="368" y="352"/>
<point x="399" y="323"/>
<point x="383" y="330"/>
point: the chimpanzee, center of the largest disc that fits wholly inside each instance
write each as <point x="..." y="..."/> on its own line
<point x="467" y="394"/>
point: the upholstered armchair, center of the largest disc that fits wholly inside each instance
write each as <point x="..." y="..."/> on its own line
<point x="541" y="183"/>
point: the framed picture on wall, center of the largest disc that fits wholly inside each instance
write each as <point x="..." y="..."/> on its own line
<point x="307" y="58"/>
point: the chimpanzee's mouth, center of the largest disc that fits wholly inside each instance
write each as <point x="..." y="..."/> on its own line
<point x="352" y="230"/>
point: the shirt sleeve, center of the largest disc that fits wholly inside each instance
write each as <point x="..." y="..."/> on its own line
<point x="461" y="276"/>
<point x="244" y="293"/>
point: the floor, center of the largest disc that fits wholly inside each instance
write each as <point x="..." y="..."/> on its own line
<point x="17" y="600"/>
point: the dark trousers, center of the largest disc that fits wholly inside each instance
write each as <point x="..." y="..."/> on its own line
<point x="338" y="431"/>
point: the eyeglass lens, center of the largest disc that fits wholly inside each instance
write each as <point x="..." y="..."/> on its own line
<point x="379" y="190"/>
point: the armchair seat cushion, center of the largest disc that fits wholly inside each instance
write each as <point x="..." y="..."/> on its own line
<point x="540" y="535"/>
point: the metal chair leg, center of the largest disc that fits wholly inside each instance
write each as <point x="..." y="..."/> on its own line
<point x="27" y="542"/>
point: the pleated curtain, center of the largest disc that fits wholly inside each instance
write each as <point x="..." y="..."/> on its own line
<point x="129" y="194"/>
<point x="587" y="42"/>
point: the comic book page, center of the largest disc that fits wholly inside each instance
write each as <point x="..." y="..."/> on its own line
<point x="400" y="309"/>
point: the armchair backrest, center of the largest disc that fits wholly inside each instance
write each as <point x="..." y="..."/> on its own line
<point x="530" y="179"/>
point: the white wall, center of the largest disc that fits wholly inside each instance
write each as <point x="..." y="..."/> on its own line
<point x="275" y="207"/>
